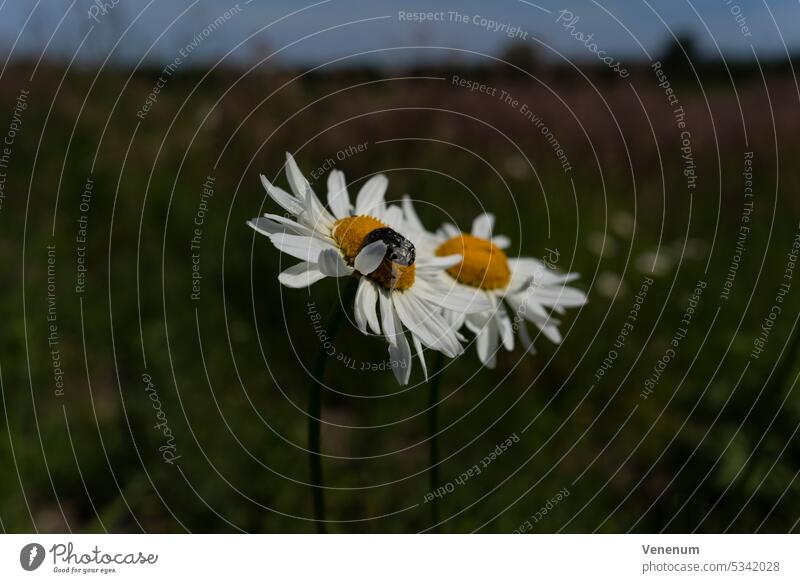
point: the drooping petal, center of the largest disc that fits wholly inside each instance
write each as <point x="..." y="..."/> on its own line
<point x="415" y="322"/>
<point x="429" y="326"/>
<point x="459" y="298"/>
<point x="477" y="322"/>
<point x="421" y="355"/>
<point x="387" y="316"/>
<point x="400" y="356"/>
<point x="486" y="343"/>
<point x="528" y="308"/>
<point x="454" y="319"/>
<point x="552" y="333"/>
<point x="370" y="257"/>
<point x="370" y="305"/>
<point x="504" y="327"/>
<point x="364" y="307"/>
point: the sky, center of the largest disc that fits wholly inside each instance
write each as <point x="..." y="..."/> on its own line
<point x="387" y="32"/>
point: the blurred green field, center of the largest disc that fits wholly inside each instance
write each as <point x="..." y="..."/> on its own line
<point x="714" y="447"/>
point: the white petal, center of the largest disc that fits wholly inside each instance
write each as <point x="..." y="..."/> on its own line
<point x="486" y="343"/>
<point x="300" y="246"/>
<point x="477" y="322"/>
<point x="449" y="230"/>
<point x="332" y="264"/>
<point x="315" y="215"/>
<point x="567" y="297"/>
<point x="338" y="199"/>
<point x="370" y="198"/>
<point x="552" y="333"/>
<point x="393" y="216"/>
<point x="283" y="198"/>
<point x="370" y="305"/>
<point x="265" y="226"/>
<point x="297" y="181"/>
<point x="527" y="265"/>
<point x="400" y="357"/>
<point x="527" y="307"/>
<point x="370" y="257"/>
<point x="420" y="355"/>
<point x="365" y="303"/>
<point x="454" y="319"/>
<point x="542" y="275"/>
<point x="432" y="264"/>
<point x="301" y="275"/>
<point x="358" y="309"/>
<point x="504" y="327"/>
<point x="459" y="298"/>
<point x="501" y="241"/>
<point x="279" y="224"/>
<point x="520" y="279"/>
<point x="387" y="316"/>
<point x="415" y="321"/>
<point x="482" y="226"/>
<point x="411" y="215"/>
<point x="429" y="326"/>
<point x="494" y="341"/>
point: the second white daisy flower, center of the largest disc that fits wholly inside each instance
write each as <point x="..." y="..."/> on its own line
<point x="532" y="290"/>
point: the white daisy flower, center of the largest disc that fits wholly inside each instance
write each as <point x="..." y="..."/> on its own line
<point x="399" y="288"/>
<point x="531" y="289"/>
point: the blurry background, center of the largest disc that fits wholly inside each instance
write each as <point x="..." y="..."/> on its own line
<point x="154" y="375"/>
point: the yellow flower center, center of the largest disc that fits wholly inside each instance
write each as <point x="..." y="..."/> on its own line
<point x="484" y="264"/>
<point x="351" y="235"/>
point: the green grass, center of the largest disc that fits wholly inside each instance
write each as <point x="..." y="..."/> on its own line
<point x="234" y="397"/>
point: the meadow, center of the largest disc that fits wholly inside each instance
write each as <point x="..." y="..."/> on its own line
<point x="154" y="374"/>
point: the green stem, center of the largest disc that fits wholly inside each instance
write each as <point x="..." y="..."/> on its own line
<point x="315" y="407"/>
<point x="433" y="439"/>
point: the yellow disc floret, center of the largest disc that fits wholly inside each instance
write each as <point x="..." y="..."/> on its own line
<point x="351" y="235"/>
<point x="484" y="264"/>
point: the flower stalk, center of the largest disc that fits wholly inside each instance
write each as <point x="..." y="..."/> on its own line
<point x="315" y="407"/>
<point x="433" y="437"/>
